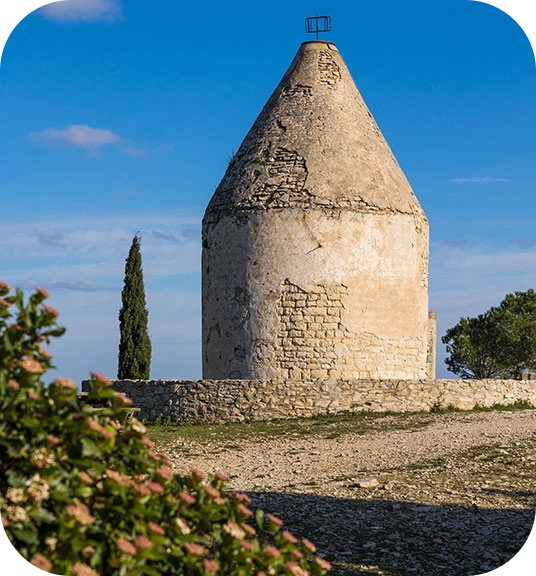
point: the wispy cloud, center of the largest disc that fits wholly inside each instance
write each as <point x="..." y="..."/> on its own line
<point x="185" y="235"/>
<point x="81" y="261"/>
<point x="482" y="180"/>
<point x="83" y="10"/>
<point x="85" y="137"/>
<point x="87" y="254"/>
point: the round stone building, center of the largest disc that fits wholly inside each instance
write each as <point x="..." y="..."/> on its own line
<point x="315" y="248"/>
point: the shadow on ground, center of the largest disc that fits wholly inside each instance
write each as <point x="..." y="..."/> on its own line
<point x="397" y="538"/>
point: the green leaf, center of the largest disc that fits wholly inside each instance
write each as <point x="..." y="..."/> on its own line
<point x="89" y="448"/>
<point x="30" y="422"/>
<point x="42" y="515"/>
<point x="259" y="516"/>
<point x="27" y="534"/>
<point x="84" y="492"/>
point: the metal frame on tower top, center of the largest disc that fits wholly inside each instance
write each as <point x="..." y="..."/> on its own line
<point x="317" y="24"/>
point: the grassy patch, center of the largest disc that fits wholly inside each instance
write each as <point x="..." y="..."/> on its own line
<point x="329" y="426"/>
<point x="164" y="432"/>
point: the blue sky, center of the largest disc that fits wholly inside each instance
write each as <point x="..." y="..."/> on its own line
<point x="120" y="117"/>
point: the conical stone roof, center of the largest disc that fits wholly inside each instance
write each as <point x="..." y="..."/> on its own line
<point x="315" y="145"/>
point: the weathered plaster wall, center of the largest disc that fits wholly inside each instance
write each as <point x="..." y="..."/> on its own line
<point x="234" y="400"/>
<point x="374" y="265"/>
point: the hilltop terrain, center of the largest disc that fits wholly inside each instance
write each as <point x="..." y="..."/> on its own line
<point x="448" y="494"/>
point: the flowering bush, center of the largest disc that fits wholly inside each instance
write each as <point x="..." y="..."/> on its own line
<point x="82" y="492"/>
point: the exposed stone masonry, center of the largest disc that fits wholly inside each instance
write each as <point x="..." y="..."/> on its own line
<point x="234" y="400"/>
<point x="330" y="73"/>
<point x="311" y="338"/>
<point x="261" y="177"/>
<point x="283" y="187"/>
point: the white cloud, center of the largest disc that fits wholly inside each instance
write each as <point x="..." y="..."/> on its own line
<point x="87" y="138"/>
<point x="83" y="10"/>
<point x="484" y="179"/>
<point x="79" y="136"/>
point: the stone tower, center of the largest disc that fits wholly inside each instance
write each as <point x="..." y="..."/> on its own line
<point x="315" y="249"/>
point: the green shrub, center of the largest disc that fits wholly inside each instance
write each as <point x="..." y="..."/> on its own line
<point x="82" y="492"/>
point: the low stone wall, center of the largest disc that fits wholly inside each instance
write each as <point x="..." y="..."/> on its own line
<point x="233" y="400"/>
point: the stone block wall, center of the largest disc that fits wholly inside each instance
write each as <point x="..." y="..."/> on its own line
<point x="311" y="338"/>
<point x="235" y="400"/>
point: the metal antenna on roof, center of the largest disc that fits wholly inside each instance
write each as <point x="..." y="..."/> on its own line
<point x="316" y="24"/>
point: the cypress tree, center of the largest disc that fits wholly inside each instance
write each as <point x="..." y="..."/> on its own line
<point x="134" y="344"/>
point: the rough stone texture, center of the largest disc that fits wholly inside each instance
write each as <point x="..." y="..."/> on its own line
<point x="235" y="400"/>
<point x="315" y="199"/>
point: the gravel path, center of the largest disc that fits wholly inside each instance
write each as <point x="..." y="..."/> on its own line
<point x="453" y="495"/>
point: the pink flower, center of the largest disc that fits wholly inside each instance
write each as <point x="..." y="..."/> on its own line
<point x="297" y="553"/>
<point x="222" y="477"/>
<point x="126" y="546"/>
<point x="51" y="310"/>
<point x="124" y="398"/>
<point x="81" y="513"/>
<point x="195" y="549"/>
<point x="211" y="565"/>
<point x="51" y="439"/>
<point x="118" y="478"/>
<point x="142" y="542"/>
<point x="43" y="291"/>
<point x="80" y="569"/>
<point x="4" y="286"/>
<point x="5" y="303"/>
<point x="156" y="528"/>
<point x="64" y="384"/>
<point x="246" y="545"/>
<point x="85" y="477"/>
<point x="32" y="365"/>
<point x="211" y="491"/>
<point x="309" y="545"/>
<point x="274" y="519"/>
<point x="185" y="497"/>
<point x="94" y="425"/>
<point x="13" y="384"/>
<point x="296" y="570"/>
<point x="249" y="529"/>
<point x="41" y="562"/>
<point x="155" y="487"/>
<point x="242" y="497"/>
<point x="273" y="551"/>
<point x="88" y="551"/>
<point x="101" y="378"/>
<point x="198" y="475"/>
<point x="32" y="395"/>
<point x="165" y="473"/>
<point x="245" y="510"/>
<point x="323" y="563"/>
<point x="142" y="489"/>
<point x="289" y="537"/>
